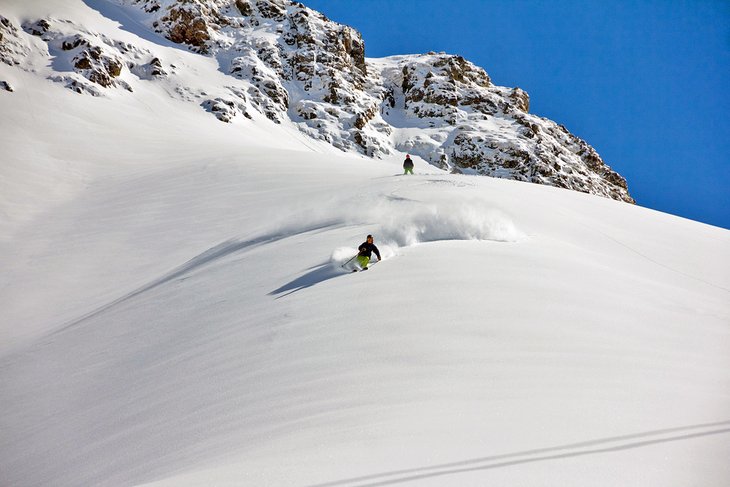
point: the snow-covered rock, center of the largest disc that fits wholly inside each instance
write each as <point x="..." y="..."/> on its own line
<point x="314" y="71"/>
<point x="291" y="63"/>
<point x="477" y="127"/>
<point x="12" y="48"/>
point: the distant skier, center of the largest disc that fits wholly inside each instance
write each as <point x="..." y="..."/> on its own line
<point x="407" y="165"/>
<point x="365" y="252"/>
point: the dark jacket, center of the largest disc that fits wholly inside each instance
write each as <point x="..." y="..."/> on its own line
<point x="408" y="163"/>
<point x="366" y="249"/>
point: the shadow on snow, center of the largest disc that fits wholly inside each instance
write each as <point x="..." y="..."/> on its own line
<point x="316" y="275"/>
<point x="132" y="21"/>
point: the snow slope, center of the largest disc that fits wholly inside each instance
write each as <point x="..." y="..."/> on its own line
<point x="173" y="312"/>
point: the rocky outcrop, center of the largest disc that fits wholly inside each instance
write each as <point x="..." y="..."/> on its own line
<point x="477" y="128"/>
<point x="12" y="49"/>
<point x="291" y="64"/>
<point x="293" y="56"/>
<point x="154" y="69"/>
<point x="38" y="28"/>
<point x="227" y="108"/>
<point x="186" y="28"/>
<point x="520" y="99"/>
<point x="312" y="71"/>
<point x="97" y="66"/>
<point x="224" y="110"/>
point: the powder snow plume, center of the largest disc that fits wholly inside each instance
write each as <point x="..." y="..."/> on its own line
<point x="472" y="220"/>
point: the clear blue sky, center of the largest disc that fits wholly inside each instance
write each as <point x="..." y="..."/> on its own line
<point x="644" y="82"/>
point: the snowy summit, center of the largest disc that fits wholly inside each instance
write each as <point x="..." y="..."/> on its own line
<point x="292" y="64"/>
<point x="185" y="187"/>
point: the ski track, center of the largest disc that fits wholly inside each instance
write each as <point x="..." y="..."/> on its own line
<point x="493" y="462"/>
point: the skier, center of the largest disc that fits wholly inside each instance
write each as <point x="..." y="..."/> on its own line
<point x="365" y="251"/>
<point x="407" y="165"/>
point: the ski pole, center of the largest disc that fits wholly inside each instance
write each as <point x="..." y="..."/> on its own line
<point x="353" y="258"/>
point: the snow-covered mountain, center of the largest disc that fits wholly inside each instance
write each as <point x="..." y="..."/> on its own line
<point x="173" y="309"/>
<point x="296" y="65"/>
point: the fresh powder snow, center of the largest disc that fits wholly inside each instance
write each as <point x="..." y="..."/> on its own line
<point x="173" y="309"/>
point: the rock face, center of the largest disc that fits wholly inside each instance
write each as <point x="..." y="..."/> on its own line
<point x="293" y="64"/>
<point x="97" y="66"/>
<point x="12" y="48"/>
